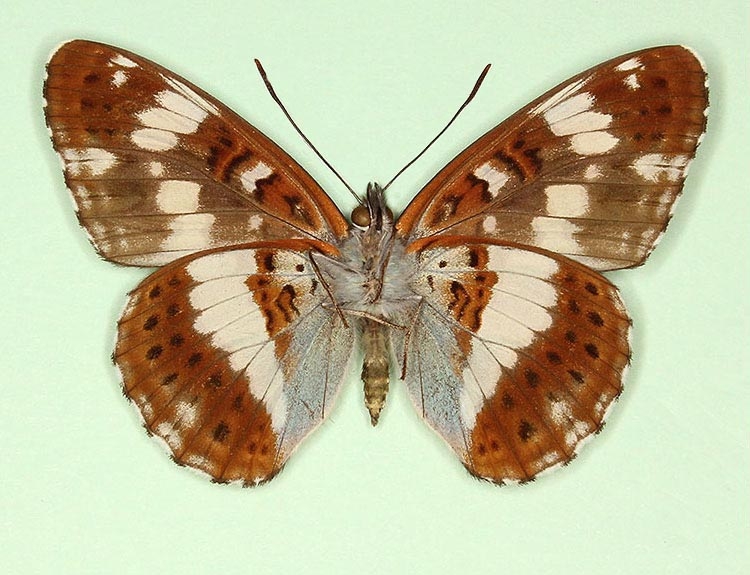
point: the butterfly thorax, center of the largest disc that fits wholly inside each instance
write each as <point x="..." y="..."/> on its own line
<point x="370" y="286"/>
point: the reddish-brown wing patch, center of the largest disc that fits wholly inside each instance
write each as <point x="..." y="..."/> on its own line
<point x="159" y="169"/>
<point x="591" y="169"/>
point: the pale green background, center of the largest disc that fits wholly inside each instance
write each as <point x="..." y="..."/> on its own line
<point x="664" y="489"/>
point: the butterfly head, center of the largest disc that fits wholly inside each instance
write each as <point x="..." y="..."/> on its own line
<point x="373" y="213"/>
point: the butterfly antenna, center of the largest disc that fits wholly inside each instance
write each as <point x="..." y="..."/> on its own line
<point x="278" y="101"/>
<point x="474" y="91"/>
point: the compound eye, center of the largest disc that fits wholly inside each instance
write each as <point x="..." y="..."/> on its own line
<point x="361" y="216"/>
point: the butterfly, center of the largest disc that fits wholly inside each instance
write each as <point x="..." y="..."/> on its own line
<point x="484" y="298"/>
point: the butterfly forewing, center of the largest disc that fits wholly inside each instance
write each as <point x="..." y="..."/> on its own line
<point x="221" y="352"/>
<point x="590" y="170"/>
<point x="515" y="356"/>
<point x="159" y="169"/>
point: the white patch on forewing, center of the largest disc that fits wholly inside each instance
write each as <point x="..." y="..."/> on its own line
<point x="631" y="64"/>
<point x="632" y="82"/>
<point x="176" y="114"/>
<point x="189" y="232"/>
<point x="222" y="264"/>
<point x="489" y="224"/>
<point x="495" y="178"/>
<point x="590" y="143"/>
<point x="254" y="222"/>
<point x="653" y="166"/>
<point x="514" y="260"/>
<point x="119" y="78"/>
<point x="178" y="196"/>
<point x="587" y="121"/>
<point x="191" y="94"/>
<point x="121" y="60"/>
<point x="592" y="172"/>
<point x="555" y="234"/>
<point x="88" y="161"/>
<point x="156" y="169"/>
<point x="154" y="140"/>
<point x="567" y="200"/>
<point x="555" y="99"/>
<point x="569" y="107"/>
<point x="252" y="175"/>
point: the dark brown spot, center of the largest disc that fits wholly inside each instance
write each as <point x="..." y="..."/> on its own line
<point x="221" y="432"/>
<point x="107" y="107"/>
<point x="173" y="310"/>
<point x="657" y="136"/>
<point x="169" y="379"/>
<point x="300" y="268"/>
<point x="554" y="358"/>
<point x="532" y="377"/>
<point x="526" y="430"/>
<point x="268" y="263"/>
<point x="664" y="109"/>
<point x="86" y="103"/>
<point x="571" y="336"/>
<point x="508" y="401"/>
<point x="480" y="278"/>
<point x="212" y="160"/>
<point x="174" y="281"/>
<point x="252" y="447"/>
<point x="226" y="142"/>
<point x="264" y="449"/>
<point x="176" y="340"/>
<point x="576" y="375"/>
<point x="595" y="318"/>
<point x="484" y="187"/>
<point x="481" y="449"/>
<point x="194" y="359"/>
<point x="473" y="258"/>
<point x="638" y="136"/>
<point x="533" y="155"/>
<point x="442" y="263"/>
<point x="592" y="289"/>
<point x="592" y="350"/>
<point x="659" y="82"/>
<point x="154" y="351"/>
<point x="155" y="292"/>
<point x="91" y="78"/>
<point x="110" y="131"/>
<point x="233" y="164"/>
<point x="214" y="380"/>
<point x="512" y="164"/>
<point x="494" y="446"/>
<point x="518" y="144"/>
<point x="151" y="322"/>
<point x="237" y="402"/>
<point x="573" y="306"/>
<point x="643" y="111"/>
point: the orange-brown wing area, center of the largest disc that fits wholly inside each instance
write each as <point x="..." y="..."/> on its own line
<point x="232" y="357"/>
<point x="159" y="169"/>
<point x="521" y="353"/>
<point x="590" y="170"/>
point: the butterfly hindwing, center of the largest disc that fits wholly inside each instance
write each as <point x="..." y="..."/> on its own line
<point x="515" y="355"/>
<point x="159" y="169"/>
<point x="590" y="170"/>
<point x="222" y="354"/>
